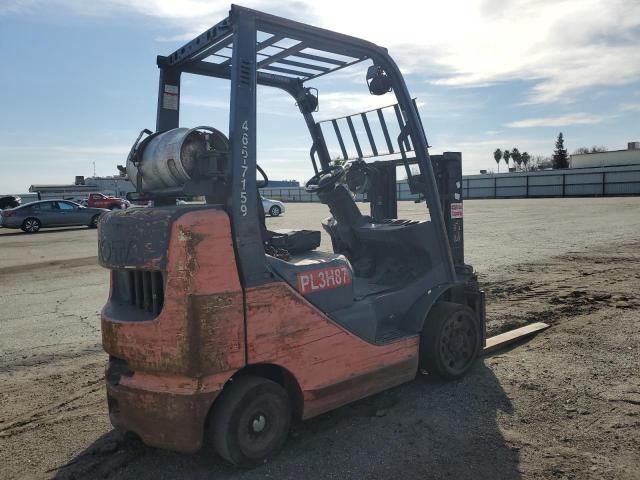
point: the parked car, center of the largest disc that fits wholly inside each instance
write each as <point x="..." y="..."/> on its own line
<point x="100" y="200"/>
<point x="33" y="216"/>
<point x="9" y="201"/>
<point x="272" y="207"/>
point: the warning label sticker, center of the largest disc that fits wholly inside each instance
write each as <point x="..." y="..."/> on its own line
<point x="323" y="279"/>
<point x="170" y="97"/>
<point x="456" y="210"/>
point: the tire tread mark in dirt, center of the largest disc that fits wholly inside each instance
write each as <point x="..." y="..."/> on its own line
<point x="569" y="294"/>
<point x="16" y="427"/>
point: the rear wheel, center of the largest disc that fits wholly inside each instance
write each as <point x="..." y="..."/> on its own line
<point x="250" y="421"/>
<point x="31" y="225"/>
<point x="450" y="340"/>
<point x="275" y="211"/>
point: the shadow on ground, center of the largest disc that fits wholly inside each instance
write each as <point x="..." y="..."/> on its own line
<point x="424" y="430"/>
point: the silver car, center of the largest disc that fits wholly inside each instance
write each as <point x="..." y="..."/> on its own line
<point x="272" y="207"/>
<point x="31" y="217"/>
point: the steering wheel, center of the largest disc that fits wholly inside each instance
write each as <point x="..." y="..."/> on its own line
<point x="325" y="180"/>
<point x="265" y="180"/>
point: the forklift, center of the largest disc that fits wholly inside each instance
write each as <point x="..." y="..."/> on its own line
<point x="221" y="333"/>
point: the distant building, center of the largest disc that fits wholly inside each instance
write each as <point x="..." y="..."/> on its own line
<point x="116" y="185"/>
<point x="284" y="183"/>
<point x="630" y="156"/>
<point x="67" y="192"/>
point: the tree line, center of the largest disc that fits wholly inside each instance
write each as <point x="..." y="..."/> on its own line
<point x="525" y="162"/>
<point x="520" y="160"/>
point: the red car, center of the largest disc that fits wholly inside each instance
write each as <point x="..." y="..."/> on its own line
<point x="99" y="200"/>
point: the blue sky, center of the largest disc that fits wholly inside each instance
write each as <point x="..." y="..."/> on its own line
<point x="79" y="81"/>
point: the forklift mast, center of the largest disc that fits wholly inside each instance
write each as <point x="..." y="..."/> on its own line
<point x="252" y="48"/>
<point x="448" y="172"/>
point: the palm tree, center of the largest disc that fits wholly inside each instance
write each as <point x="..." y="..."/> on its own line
<point x="497" y="155"/>
<point x="506" y="154"/>
<point x="516" y="156"/>
<point x="525" y="159"/>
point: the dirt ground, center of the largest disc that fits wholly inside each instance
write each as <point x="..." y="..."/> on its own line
<point x="564" y="405"/>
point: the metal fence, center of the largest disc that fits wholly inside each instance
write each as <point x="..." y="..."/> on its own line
<point x="576" y="182"/>
<point x="572" y="182"/>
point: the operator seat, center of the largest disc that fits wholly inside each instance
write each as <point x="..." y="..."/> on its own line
<point x="284" y="240"/>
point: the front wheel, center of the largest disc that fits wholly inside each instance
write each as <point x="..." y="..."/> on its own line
<point x="275" y="211"/>
<point x="31" y="225"/>
<point x="94" y="221"/>
<point x="250" y="421"/>
<point x="450" y="340"/>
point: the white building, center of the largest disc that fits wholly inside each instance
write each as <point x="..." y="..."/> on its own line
<point x="116" y="185"/>
<point x="630" y="156"/>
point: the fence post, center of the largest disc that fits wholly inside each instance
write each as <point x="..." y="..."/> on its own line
<point x="563" y="184"/>
<point x="526" y="194"/>
<point x="495" y="187"/>
<point x="604" y="174"/>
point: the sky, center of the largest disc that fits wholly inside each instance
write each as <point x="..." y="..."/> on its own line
<point x="78" y="80"/>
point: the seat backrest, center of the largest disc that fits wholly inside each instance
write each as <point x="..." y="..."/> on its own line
<point x="346" y="217"/>
<point x="342" y="206"/>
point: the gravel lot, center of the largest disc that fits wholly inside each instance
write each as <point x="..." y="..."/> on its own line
<point x="565" y="405"/>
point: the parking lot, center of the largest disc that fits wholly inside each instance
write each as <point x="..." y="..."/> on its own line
<point x="564" y="405"/>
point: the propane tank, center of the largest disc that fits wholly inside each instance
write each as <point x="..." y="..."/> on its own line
<point x="169" y="159"/>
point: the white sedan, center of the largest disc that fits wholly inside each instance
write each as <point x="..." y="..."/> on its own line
<point x="272" y="207"/>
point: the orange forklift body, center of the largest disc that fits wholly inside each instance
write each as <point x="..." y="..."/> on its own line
<point x="209" y="329"/>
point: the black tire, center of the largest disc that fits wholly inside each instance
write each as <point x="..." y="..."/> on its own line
<point x="250" y="421"/>
<point x="31" y="225"/>
<point x="450" y="340"/>
<point x="275" y="211"/>
<point x="94" y="221"/>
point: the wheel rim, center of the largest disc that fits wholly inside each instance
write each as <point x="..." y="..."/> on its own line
<point x="258" y="423"/>
<point x="31" y="225"/>
<point x="260" y="428"/>
<point x="275" y="211"/>
<point x="458" y="342"/>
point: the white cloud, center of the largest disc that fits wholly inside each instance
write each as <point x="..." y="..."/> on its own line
<point x="559" y="121"/>
<point x="629" y="107"/>
<point x="336" y="104"/>
<point x="562" y="46"/>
